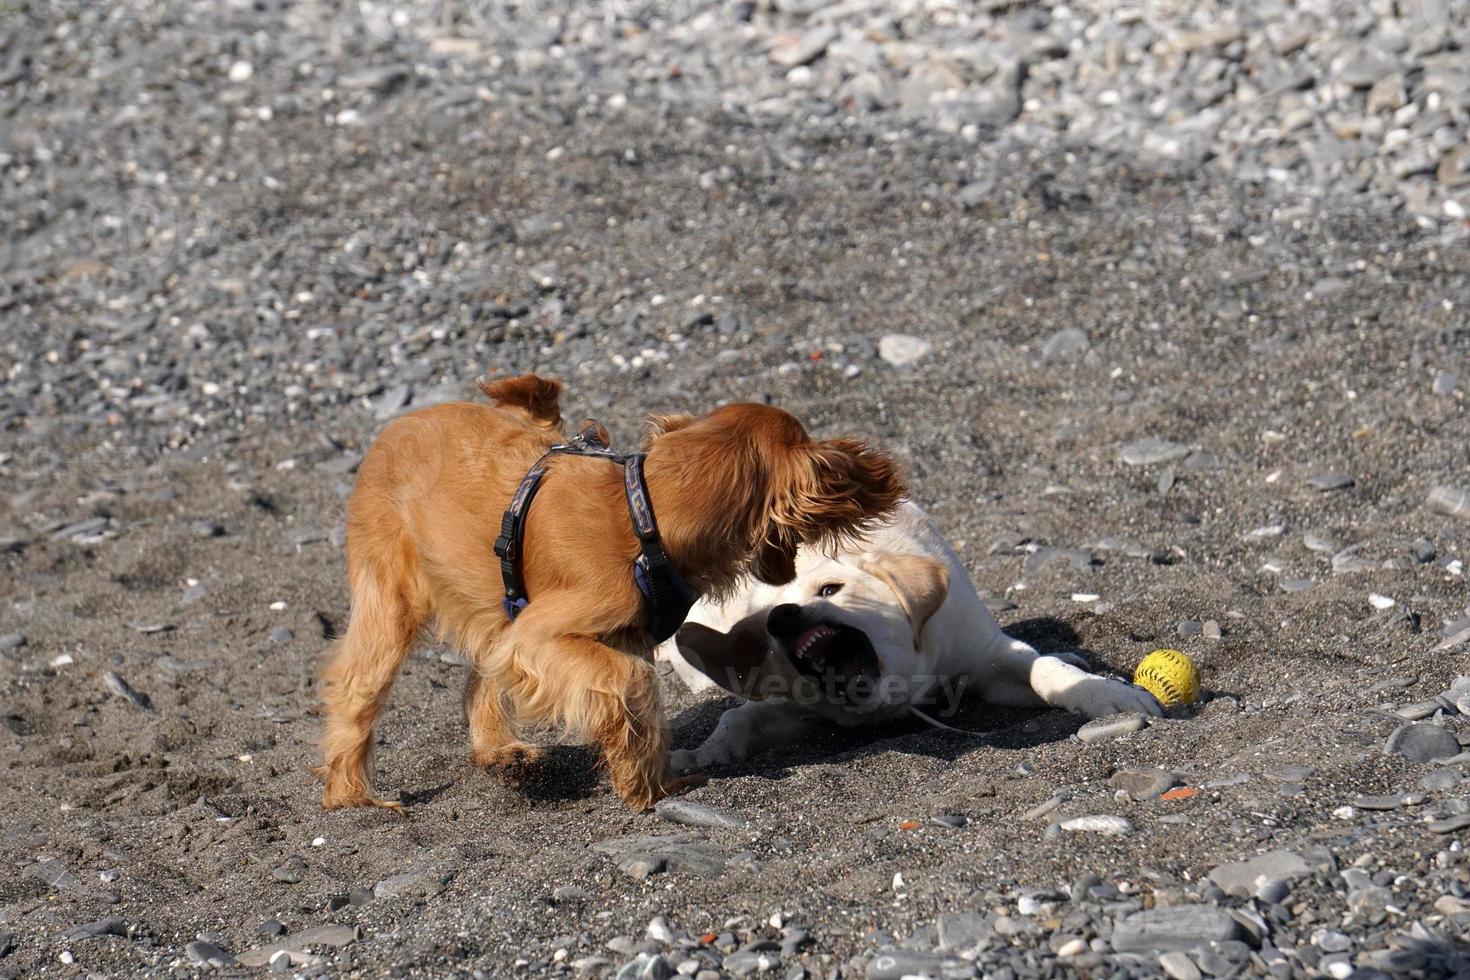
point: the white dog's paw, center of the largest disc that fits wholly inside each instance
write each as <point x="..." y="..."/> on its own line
<point x="715" y="751"/>
<point x="1096" y="697"/>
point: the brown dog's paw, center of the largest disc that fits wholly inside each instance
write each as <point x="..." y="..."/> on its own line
<point x="513" y="761"/>
<point x="341" y="801"/>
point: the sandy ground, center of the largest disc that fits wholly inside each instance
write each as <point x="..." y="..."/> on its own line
<point x="1277" y="340"/>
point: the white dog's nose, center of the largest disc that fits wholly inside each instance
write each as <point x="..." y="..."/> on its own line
<point x="783" y="618"/>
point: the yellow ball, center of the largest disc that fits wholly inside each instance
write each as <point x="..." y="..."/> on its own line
<point x="1169" y="676"/>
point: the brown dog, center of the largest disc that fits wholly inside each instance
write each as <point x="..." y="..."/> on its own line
<point x="735" y="492"/>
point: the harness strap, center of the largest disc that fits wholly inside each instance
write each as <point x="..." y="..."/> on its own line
<point x="667" y="597"/>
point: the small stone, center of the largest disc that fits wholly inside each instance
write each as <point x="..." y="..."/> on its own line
<point x="1211" y="629"/>
<point x="1073" y="947"/>
<point x="1320" y="543"/>
<point x="282" y="635"/>
<point x="904" y="964"/>
<point x="1111" y="726"/>
<point x="901" y="350"/>
<point x="1179" y="966"/>
<point x="392" y="402"/>
<point x="681" y="811"/>
<point x="569" y="893"/>
<point x="208" y="954"/>
<point x="1450" y="825"/>
<point x="1445" y="383"/>
<point x="1187" y="628"/>
<point x="1326" y="482"/>
<point x="1454" y="501"/>
<point x="12" y="641"/>
<point x="291" y="872"/>
<point x="1175" y="928"/>
<point x="803" y="49"/>
<point x="1151" y="450"/>
<point x="207" y="529"/>
<point x="1423" y="551"/>
<point x="1241" y="878"/>
<point x="418" y="883"/>
<point x="270" y="927"/>
<point x="1065" y="344"/>
<point x="1143" y="784"/>
<point x="961" y="931"/>
<point x="110" y="926"/>
<point x="1440" y="779"/>
<point x="1392" y="802"/>
<point x="1422" y="742"/>
<point x="115" y="683"/>
<point x="1099" y="824"/>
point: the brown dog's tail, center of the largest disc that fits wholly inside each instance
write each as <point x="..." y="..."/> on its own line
<point x="538" y="397"/>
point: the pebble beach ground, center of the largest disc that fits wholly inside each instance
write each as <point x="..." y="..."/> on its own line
<point x="1162" y="305"/>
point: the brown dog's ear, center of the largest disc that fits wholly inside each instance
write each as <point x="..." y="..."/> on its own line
<point x="828" y="491"/>
<point x="663" y="424"/>
<point x="921" y="584"/>
<point x="732" y="660"/>
<point x="775" y="560"/>
<point x="538" y="397"/>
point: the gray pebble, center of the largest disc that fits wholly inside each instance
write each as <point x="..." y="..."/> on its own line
<point x="12" y="641"/>
<point x="1143" y="784"/>
<point x="1112" y="726"/>
<point x="1151" y="450"/>
<point x="281" y="635"/>
<point x="1067" y="343"/>
<point x="1179" y="966"/>
<point x="1440" y="779"/>
<point x="1178" y="927"/>
<point x="1187" y="628"/>
<point x="1391" y="802"/>
<point x="110" y="926"/>
<point x="1422" y="742"/>
<point x="1099" y="824"/>
<point x="1423" y="550"/>
<point x="1241" y="878"/>
<point x="901" y="350"/>
<point x="1451" y="824"/>
<point x="1453" y="501"/>
<point x="1330" y="481"/>
<point x="115" y="683"/>
<point x="208" y="954"/>
<point x="691" y="814"/>
<point x="207" y="529"/>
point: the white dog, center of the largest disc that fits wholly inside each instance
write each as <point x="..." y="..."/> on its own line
<point x="888" y="627"/>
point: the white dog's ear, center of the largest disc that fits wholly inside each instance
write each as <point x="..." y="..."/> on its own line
<point x="732" y="660"/>
<point x="921" y="584"/>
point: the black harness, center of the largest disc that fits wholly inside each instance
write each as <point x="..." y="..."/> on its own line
<point x="666" y="596"/>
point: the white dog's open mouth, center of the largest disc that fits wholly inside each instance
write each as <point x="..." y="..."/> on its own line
<point x="839" y="658"/>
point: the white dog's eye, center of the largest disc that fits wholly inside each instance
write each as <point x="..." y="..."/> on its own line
<point x="830" y="589"/>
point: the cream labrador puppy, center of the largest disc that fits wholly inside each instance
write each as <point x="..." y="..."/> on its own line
<point x="888" y="627"/>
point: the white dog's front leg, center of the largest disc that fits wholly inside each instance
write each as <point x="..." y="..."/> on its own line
<point x="1021" y="677"/>
<point x="743" y="731"/>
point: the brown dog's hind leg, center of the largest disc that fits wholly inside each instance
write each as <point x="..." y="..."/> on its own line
<point x="494" y="742"/>
<point x="380" y="633"/>
<point x="610" y="696"/>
